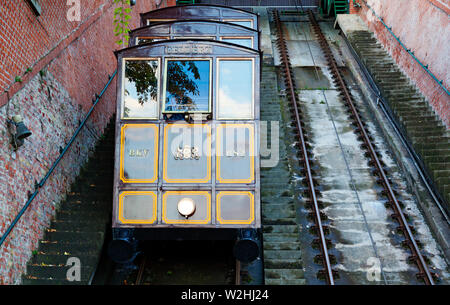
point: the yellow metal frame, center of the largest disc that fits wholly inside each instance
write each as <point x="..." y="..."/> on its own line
<point x="122" y="151"/>
<point x="137" y="221"/>
<point x="164" y="87"/>
<point x="187" y="221"/>
<point x="252" y="116"/>
<point x="236" y="221"/>
<point x="208" y="177"/>
<point x="252" y="153"/>
<point x="122" y="106"/>
<point x="158" y="20"/>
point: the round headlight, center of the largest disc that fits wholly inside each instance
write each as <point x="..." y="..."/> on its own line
<point x="186" y="207"/>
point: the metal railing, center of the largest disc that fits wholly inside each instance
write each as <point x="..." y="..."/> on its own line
<point x="410" y="52"/>
<point x="55" y="164"/>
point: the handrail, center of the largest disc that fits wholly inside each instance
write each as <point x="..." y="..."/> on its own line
<point x="42" y="182"/>
<point x="440" y="83"/>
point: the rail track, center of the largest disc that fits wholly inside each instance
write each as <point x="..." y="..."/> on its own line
<point x="372" y="154"/>
<point x="383" y="179"/>
<point x="319" y="228"/>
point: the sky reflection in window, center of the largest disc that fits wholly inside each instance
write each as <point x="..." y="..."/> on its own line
<point x="246" y="42"/>
<point x="140" y="89"/>
<point x="235" y="89"/>
<point x="187" y="86"/>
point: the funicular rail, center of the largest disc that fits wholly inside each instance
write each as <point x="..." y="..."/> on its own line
<point x="417" y="257"/>
<point x="292" y="96"/>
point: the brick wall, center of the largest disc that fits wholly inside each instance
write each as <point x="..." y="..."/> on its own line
<point x="70" y="63"/>
<point x="424" y="27"/>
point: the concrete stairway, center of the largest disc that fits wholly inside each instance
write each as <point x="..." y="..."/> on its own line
<point x="423" y="128"/>
<point x="282" y="255"/>
<point x="80" y="223"/>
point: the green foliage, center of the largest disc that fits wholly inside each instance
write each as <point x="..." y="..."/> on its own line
<point x="121" y="21"/>
<point x="18" y="79"/>
<point x="143" y="75"/>
<point x="180" y="83"/>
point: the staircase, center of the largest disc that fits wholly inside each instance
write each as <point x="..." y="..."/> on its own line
<point x="330" y="7"/>
<point x="340" y="7"/>
<point x="281" y="243"/>
<point x="424" y="129"/>
<point x="79" y="226"/>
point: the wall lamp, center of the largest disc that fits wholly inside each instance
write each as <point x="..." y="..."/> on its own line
<point x="21" y="131"/>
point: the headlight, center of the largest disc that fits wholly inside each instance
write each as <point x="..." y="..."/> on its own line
<point x="186" y="207"/>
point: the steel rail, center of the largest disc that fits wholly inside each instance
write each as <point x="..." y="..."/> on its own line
<point x="281" y="43"/>
<point x="417" y="256"/>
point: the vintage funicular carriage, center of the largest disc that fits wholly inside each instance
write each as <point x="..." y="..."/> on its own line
<point x="187" y="144"/>
<point x="202" y="11"/>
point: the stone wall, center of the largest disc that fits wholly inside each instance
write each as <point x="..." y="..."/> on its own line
<point x="424" y="27"/>
<point x="69" y="63"/>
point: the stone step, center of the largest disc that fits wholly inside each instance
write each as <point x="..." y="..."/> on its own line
<point x="430" y="122"/>
<point x="79" y="226"/>
<point x="272" y="213"/>
<point x="282" y="254"/>
<point x="281" y="245"/>
<point x="281" y="237"/>
<point x="281" y="229"/>
<point x="284" y="273"/>
<point x="42" y="282"/>
<point x="61" y="260"/>
<point x="55" y="272"/>
<point x="285" y="282"/>
<point x="68" y="236"/>
<point x="79" y="215"/>
<point x="439" y="166"/>
<point x="74" y="248"/>
<point x="441" y="174"/>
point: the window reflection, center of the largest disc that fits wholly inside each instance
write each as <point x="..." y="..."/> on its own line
<point x="246" y="42"/>
<point x="142" y="40"/>
<point x="246" y="23"/>
<point x="235" y="94"/>
<point x="187" y="86"/>
<point x="140" y="89"/>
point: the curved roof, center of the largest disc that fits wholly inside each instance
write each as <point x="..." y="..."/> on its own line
<point x="200" y="11"/>
<point x="194" y="27"/>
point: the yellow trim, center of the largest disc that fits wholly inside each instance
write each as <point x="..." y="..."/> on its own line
<point x="252" y="153"/>
<point x="122" y="151"/>
<point x="236" y="221"/>
<point x="164" y="86"/>
<point x="137" y="221"/>
<point x="187" y="221"/>
<point x="252" y="115"/>
<point x="158" y="89"/>
<point x="165" y="156"/>
<point x="158" y="20"/>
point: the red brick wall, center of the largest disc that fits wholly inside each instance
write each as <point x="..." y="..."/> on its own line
<point x="424" y="27"/>
<point x="77" y="58"/>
